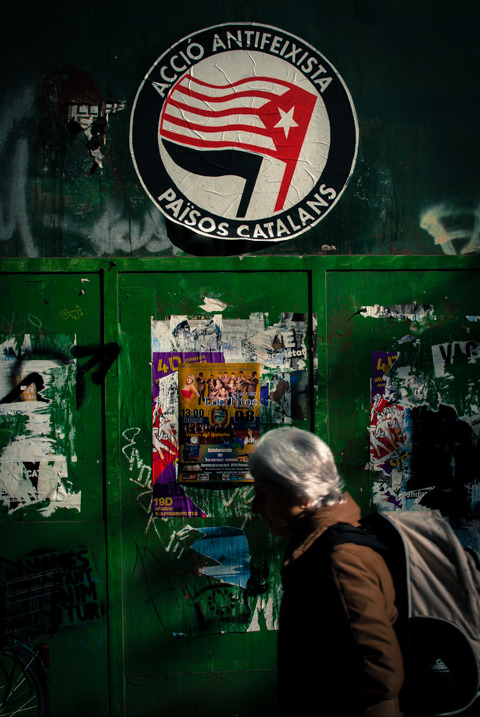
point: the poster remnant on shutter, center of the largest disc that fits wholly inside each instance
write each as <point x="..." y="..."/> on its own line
<point x="37" y="404"/>
<point x="279" y="350"/>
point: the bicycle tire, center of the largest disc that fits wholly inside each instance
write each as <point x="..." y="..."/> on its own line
<point x="23" y="687"/>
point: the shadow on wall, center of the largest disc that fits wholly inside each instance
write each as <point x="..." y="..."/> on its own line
<point x="199" y="245"/>
<point x="445" y="447"/>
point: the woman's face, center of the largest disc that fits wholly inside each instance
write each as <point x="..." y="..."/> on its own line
<point x="278" y="510"/>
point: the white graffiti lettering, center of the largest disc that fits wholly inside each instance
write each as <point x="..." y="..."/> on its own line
<point x="136" y="464"/>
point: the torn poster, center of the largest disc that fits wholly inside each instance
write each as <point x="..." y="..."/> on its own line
<point x="219" y="420"/>
<point x="281" y="351"/>
<point x="424" y="452"/>
<point x="388" y="418"/>
<point x="169" y="498"/>
<point x="175" y="341"/>
<point x="444" y="355"/>
<point x="222" y="588"/>
<point x="37" y="400"/>
<point x="280" y="345"/>
<point x="210" y="304"/>
<point x="227" y="548"/>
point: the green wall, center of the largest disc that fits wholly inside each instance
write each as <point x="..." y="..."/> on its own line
<point x="87" y="260"/>
<point x="151" y="629"/>
<point x="410" y="69"/>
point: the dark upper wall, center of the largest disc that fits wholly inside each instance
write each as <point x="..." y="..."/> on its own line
<point x="411" y="70"/>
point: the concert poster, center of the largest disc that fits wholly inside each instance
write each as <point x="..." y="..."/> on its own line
<point x="219" y="420"/>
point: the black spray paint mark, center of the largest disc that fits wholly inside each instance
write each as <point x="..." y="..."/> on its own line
<point x="32" y="378"/>
<point x="42" y="352"/>
<point x="104" y="355"/>
<point x="227" y="603"/>
<point x="257" y="583"/>
<point x="157" y="574"/>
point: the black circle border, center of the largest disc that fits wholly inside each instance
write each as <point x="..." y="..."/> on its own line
<point x="144" y="135"/>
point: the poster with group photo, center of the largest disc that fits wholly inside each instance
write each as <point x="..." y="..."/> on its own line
<point x="219" y="420"/>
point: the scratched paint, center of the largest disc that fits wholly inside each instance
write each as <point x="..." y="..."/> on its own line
<point x="78" y="598"/>
<point x="37" y="431"/>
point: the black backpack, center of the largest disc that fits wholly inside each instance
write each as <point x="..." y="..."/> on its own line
<point x="437" y="584"/>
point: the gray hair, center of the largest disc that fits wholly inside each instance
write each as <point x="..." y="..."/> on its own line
<point x="298" y="464"/>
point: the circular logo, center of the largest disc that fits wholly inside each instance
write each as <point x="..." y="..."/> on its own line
<point x="243" y="131"/>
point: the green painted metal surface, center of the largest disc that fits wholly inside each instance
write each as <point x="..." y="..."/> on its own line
<point x="353" y="336"/>
<point x="168" y="637"/>
<point x="184" y="612"/>
<point x="53" y="470"/>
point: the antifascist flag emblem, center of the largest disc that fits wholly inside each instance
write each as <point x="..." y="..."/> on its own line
<point x="254" y="117"/>
<point x="234" y="133"/>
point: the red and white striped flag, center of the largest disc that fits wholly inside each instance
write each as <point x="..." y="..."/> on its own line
<point x="260" y="115"/>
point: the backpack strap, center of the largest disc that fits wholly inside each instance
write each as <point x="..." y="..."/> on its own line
<point x="341" y="533"/>
<point x="378" y="533"/>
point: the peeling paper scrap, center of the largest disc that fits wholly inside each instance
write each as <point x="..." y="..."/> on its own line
<point x="43" y="483"/>
<point x="411" y="312"/>
<point x="37" y="428"/>
<point x="228" y="547"/>
<point x="474" y="319"/>
<point x="210" y="304"/>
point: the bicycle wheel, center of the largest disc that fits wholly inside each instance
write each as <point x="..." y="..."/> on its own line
<point x="23" y="686"/>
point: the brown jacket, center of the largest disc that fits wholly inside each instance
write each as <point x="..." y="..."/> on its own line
<point x="336" y="637"/>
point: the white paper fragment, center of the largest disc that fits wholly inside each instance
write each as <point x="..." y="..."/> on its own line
<point x="411" y="312"/>
<point x="210" y="304"/>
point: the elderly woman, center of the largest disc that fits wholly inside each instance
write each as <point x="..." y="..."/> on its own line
<point x="338" y="653"/>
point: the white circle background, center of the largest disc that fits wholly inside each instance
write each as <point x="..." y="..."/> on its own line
<point x="221" y="195"/>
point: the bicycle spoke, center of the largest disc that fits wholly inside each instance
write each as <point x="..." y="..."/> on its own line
<point x="19" y="691"/>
